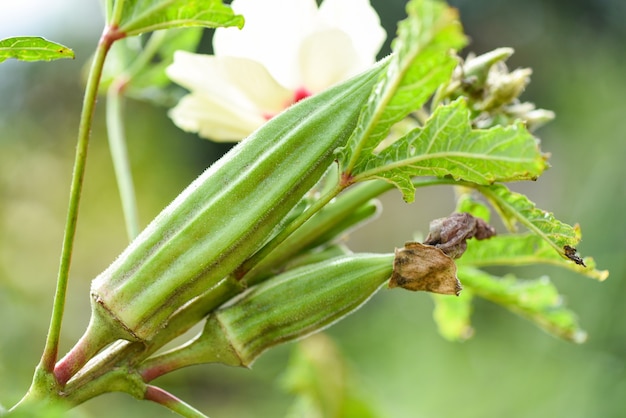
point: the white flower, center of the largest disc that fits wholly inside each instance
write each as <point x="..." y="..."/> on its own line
<point x="287" y="50"/>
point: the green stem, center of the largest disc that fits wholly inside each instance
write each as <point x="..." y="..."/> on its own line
<point x="421" y="115"/>
<point x="129" y="354"/>
<point x="119" y="155"/>
<point x="368" y="189"/>
<point x="120" y="379"/>
<point x="101" y="331"/>
<point x="116" y="15"/>
<point x="320" y="229"/>
<point x="147" y="54"/>
<point x="288" y="230"/>
<point x="212" y="345"/>
<point x="171" y="402"/>
<point x="52" y="342"/>
<point x="117" y="138"/>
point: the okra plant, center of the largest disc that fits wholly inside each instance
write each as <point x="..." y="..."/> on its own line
<point x="250" y="248"/>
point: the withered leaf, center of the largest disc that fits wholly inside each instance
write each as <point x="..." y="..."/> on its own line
<point x="450" y="234"/>
<point x="424" y="267"/>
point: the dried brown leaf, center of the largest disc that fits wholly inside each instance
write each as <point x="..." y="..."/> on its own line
<point x="450" y="234"/>
<point x="424" y="267"/>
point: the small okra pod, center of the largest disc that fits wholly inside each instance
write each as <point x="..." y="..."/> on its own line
<point x="302" y="301"/>
<point x="291" y="305"/>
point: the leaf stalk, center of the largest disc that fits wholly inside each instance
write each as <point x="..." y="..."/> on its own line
<point x="119" y="155"/>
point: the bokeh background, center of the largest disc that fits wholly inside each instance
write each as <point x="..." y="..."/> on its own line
<point x="509" y="368"/>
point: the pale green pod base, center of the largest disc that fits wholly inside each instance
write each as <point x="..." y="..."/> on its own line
<point x="102" y="330"/>
<point x="211" y="346"/>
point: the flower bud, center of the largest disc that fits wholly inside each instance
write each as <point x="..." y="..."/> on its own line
<point x="504" y="87"/>
<point x="479" y="66"/>
<point x="536" y="118"/>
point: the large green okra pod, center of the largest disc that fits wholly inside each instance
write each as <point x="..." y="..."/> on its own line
<point x="225" y="215"/>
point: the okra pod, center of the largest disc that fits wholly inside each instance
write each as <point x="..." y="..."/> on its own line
<point x="291" y="305"/>
<point x="302" y="301"/>
<point x="226" y="214"/>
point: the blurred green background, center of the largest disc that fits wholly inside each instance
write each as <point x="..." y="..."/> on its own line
<point x="509" y="368"/>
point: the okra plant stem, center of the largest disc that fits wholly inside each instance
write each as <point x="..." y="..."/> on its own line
<point x="117" y="137"/>
<point x="50" y="352"/>
<point x="171" y="402"/>
<point x="361" y="193"/>
<point x="286" y="232"/>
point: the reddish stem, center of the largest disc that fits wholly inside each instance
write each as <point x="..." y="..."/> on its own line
<point x="171" y="402"/>
<point x="97" y="336"/>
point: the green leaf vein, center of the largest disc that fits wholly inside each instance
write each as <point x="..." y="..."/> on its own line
<point x="33" y="48"/>
<point x="448" y="146"/>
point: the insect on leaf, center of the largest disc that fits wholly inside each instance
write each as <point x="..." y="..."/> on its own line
<point x="521" y="250"/>
<point x="515" y="207"/>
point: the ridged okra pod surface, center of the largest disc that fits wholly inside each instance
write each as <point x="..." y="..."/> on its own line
<point x="299" y="302"/>
<point x="227" y="213"/>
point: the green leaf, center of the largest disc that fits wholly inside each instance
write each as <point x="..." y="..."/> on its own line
<point x="33" y="48"/>
<point x="448" y="146"/>
<point x="139" y="16"/>
<point x="140" y="66"/>
<point x="521" y="250"/>
<point x="536" y="300"/>
<point x="452" y="316"/>
<point x="420" y="63"/>
<point x="322" y="382"/>
<point x="466" y="202"/>
<point x="140" y="62"/>
<point x="515" y="207"/>
<point x="151" y="74"/>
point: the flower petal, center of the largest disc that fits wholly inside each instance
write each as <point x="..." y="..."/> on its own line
<point x="327" y="57"/>
<point x="242" y="82"/>
<point x="271" y="35"/>
<point x="361" y="22"/>
<point x="230" y="98"/>
<point x="213" y="120"/>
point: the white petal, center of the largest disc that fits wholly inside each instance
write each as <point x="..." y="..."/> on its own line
<point x="240" y="82"/>
<point x="361" y="22"/>
<point x="271" y="35"/>
<point x="326" y="57"/>
<point x="213" y="120"/>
